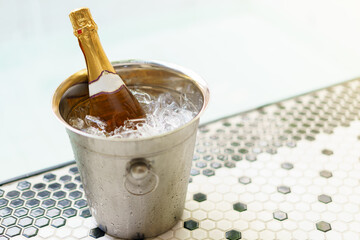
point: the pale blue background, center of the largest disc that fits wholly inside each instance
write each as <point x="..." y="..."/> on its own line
<point x="250" y="53"/>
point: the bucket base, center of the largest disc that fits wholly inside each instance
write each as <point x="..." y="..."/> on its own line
<point x="138" y="236"/>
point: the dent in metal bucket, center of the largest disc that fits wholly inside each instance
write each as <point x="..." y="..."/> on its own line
<point x="136" y="187"/>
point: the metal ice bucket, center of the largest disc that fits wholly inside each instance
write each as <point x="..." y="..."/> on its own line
<point x="135" y="187"/>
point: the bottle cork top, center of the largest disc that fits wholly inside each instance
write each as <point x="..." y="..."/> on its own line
<point x="81" y="21"/>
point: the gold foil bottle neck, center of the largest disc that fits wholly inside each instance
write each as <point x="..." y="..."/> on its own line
<point x="82" y="21"/>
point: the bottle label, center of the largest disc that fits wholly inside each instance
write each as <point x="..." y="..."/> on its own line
<point x="106" y="83"/>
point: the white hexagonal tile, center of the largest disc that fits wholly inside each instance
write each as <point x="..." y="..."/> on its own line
<point x="257" y="225"/>
<point x="241" y="225"/>
<point x="80" y="232"/>
<point x="199" y="234"/>
<point x="224" y="225"/>
<point x="250" y="234"/>
<point x="63" y="232"/>
<point x="216" y="234"/>
<point x="274" y="225"/>
<point x="207" y="224"/>
<point x="186" y="214"/>
<point x="215" y="197"/>
<point x="191" y="205"/>
<point x="215" y="215"/>
<point x="182" y="233"/>
<point x="267" y="234"/>
<point x="224" y="206"/>
<point x="199" y="215"/>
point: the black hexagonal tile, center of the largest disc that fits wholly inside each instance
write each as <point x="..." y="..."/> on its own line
<point x="49" y="177"/>
<point x="324" y="198"/>
<point x="13" y="231"/>
<point x="54" y="212"/>
<point x="5" y="211"/>
<point x="43" y="194"/>
<point x="23" y="185"/>
<point x="236" y="158"/>
<point x="42" y="222"/>
<point x="208" y="172"/>
<point x="59" y="194"/>
<point x="96" y="233"/>
<point x="74" y="170"/>
<point x="327" y="152"/>
<point x="39" y="186"/>
<point x="229" y="164"/>
<point x="32" y="203"/>
<point x="194" y="172"/>
<point x="201" y="164"/>
<point x="229" y="151"/>
<point x="244" y="180"/>
<point x="12" y="194"/>
<point x="208" y="158"/>
<point x="25" y="221"/>
<point x="283" y="189"/>
<point x="69" y="212"/>
<point x="78" y="179"/>
<point x="48" y="203"/>
<point x="323" y="226"/>
<point x="80" y="203"/>
<point x="58" y="222"/>
<point x="30" y="232"/>
<point x="65" y="178"/>
<point x="3" y="202"/>
<point x="226" y="124"/>
<point x="191" y="225"/>
<point x="28" y="194"/>
<point x="37" y="212"/>
<point x="240" y="207"/>
<point x="287" y="166"/>
<point x="8" y="221"/>
<point x="243" y="151"/>
<point x="296" y="138"/>
<point x="75" y="195"/>
<point x="221" y="157"/>
<point x="233" y="235"/>
<point x="16" y="203"/>
<point x="310" y="138"/>
<point x="64" y="203"/>
<point x="70" y="186"/>
<point x="280" y="215"/>
<point x="215" y="165"/>
<point x="201" y="150"/>
<point x="326" y="174"/>
<point x="199" y="197"/>
<point x="20" y="212"/>
<point x="85" y="213"/>
<point x="54" y="186"/>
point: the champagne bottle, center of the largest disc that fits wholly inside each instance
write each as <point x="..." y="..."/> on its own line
<point x="110" y="99"/>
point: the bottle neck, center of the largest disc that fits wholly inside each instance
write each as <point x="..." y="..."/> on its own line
<point x="96" y="59"/>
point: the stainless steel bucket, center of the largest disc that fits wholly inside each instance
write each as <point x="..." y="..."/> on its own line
<point x="135" y="187"/>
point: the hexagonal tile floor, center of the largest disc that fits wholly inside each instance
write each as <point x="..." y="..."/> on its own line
<point x="288" y="170"/>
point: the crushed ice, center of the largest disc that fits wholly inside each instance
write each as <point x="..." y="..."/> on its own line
<point x="163" y="114"/>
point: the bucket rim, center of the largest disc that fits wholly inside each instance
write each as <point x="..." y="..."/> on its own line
<point x="194" y="77"/>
